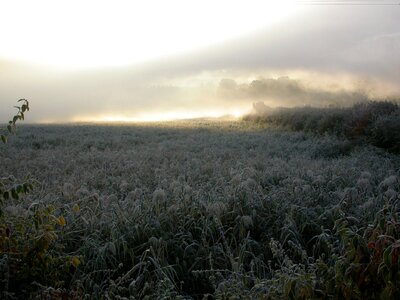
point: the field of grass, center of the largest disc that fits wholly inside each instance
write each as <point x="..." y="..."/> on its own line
<point x="198" y="210"/>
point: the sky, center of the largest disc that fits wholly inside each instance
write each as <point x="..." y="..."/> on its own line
<point x="79" y="61"/>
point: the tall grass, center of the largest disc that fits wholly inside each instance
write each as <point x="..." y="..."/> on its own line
<point x="197" y="210"/>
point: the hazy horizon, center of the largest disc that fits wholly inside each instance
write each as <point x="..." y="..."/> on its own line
<point x="75" y="66"/>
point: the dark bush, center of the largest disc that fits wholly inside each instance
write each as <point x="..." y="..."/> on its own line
<point x="385" y="132"/>
<point x="374" y="122"/>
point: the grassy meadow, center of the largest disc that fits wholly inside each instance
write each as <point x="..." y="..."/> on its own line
<point x="201" y="209"/>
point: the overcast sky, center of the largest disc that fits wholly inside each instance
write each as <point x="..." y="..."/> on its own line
<point x="90" y="62"/>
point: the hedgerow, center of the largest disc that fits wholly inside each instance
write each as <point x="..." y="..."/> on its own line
<point x="377" y="123"/>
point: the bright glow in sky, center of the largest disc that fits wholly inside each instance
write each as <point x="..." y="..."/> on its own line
<point x="129" y="60"/>
<point x="162" y="116"/>
<point x="96" y="33"/>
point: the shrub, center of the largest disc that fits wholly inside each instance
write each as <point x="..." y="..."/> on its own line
<point x="8" y="187"/>
<point x="27" y="257"/>
<point x="385" y="132"/>
<point x="377" y="123"/>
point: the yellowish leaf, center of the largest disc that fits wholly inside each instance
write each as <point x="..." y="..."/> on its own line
<point x="61" y="221"/>
<point x="76" y="208"/>
<point x="75" y="261"/>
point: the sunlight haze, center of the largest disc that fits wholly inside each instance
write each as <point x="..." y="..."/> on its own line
<point x="160" y="60"/>
<point x="81" y="34"/>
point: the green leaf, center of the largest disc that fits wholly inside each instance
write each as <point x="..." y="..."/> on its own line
<point x="20" y="189"/>
<point x="111" y="248"/>
<point x="386" y="256"/>
<point x="9" y="128"/>
<point x="4" y="139"/>
<point x="24" y="107"/>
<point x="26" y="187"/>
<point x="75" y="261"/>
<point x="76" y="208"/>
<point x="14" y="194"/>
<point x="387" y="293"/>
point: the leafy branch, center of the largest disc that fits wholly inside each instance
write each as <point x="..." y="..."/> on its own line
<point x="20" y="115"/>
<point x="8" y="188"/>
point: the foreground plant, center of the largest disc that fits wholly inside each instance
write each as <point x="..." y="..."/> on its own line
<point x="29" y="259"/>
<point x="8" y="187"/>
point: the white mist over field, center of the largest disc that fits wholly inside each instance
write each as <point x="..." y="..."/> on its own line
<point x="285" y="55"/>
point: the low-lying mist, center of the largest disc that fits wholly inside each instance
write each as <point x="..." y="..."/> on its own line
<point x="124" y="95"/>
<point x="330" y="56"/>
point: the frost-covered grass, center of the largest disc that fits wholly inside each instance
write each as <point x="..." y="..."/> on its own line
<point x="193" y="208"/>
<point x="373" y="122"/>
